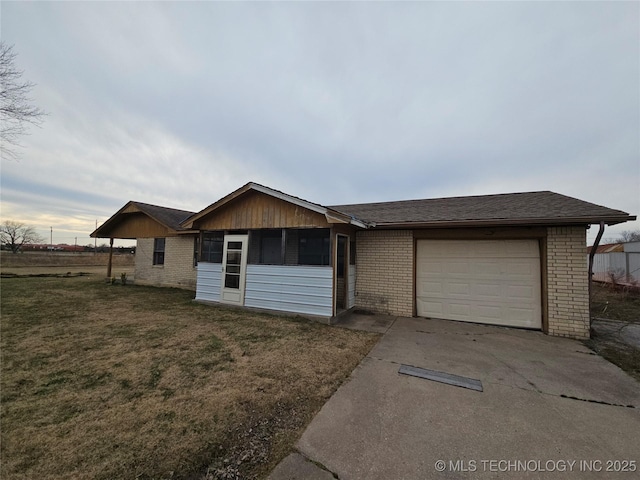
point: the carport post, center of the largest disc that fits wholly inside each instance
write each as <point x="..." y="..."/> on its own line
<point x="110" y="258"/>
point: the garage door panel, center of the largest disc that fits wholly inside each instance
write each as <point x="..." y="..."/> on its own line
<point x="435" y="307"/>
<point x="486" y="290"/>
<point x="486" y="269"/>
<point x="523" y="249"/>
<point x="523" y="315"/>
<point x="488" y="281"/>
<point x="521" y="292"/>
<point x="456" y="268"/>
<point x="460" y="310"/>
<point x="431" y="267"/>
<point x="521" y="268"/>
<point x="459" y="289"/>
<point x="430" y="288"/>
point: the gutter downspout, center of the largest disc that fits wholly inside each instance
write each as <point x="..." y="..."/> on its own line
<point x="592" y="254"/>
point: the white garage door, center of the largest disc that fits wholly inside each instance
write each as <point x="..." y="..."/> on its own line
<point x="482" y="281"/>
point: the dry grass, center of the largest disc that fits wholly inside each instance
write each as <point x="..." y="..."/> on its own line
<point x="105" y="382"/>
<point x="612" y="309"/>
<point x="63" y="259"/>
<point x="615" y="303"/>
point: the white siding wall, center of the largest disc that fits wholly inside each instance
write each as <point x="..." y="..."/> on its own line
<point x="296" y="289"/>
<point x="351" y="301"/>
<point x="209" y="282"/>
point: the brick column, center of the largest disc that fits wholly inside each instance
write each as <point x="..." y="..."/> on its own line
<point x="567" y="282"/>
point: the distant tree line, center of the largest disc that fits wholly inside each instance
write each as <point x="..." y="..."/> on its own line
<point x="64" y="247"/>
<point x="19" y="237"/>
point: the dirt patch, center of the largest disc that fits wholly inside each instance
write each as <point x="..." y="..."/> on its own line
<point x="102" y="381"/>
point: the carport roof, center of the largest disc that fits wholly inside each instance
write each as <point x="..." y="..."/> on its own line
<point x="531" y="208"/>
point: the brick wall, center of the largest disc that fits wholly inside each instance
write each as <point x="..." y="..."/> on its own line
<point x="178" y="269"/>
<point x="567" y="282"/>
<point x="384" y="283"/>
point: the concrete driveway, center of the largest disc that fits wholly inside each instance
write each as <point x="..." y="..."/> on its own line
<point x="549" y="408"/>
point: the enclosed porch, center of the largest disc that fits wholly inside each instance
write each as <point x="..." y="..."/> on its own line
<point x="309" y="271"/>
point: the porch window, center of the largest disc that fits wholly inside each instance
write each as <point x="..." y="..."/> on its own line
<point x="271" y="247"/>
<point x="313" y="246"/>
<point x="212" y="245"/>
<point x="158" y="251"/>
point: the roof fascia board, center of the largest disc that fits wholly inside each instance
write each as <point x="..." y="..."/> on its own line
<point x="496" y="223"/>
<point x="288" y="198"/>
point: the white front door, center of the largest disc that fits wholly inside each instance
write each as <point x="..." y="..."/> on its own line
<point x="234" y="267"/>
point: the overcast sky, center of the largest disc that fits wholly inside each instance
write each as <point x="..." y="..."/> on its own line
<point x="178" y="104"/>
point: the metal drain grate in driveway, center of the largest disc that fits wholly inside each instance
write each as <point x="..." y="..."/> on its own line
<point x="441" y="377"/>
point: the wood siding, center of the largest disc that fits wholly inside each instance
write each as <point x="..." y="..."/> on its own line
<point x="137" y="225"/>
<point x="256" y="210"/>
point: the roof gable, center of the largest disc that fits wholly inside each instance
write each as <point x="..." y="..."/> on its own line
<point x="298" y="212"/>
<point x="140" y="220"/>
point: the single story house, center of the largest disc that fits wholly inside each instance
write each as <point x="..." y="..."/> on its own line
<point x="511" y="259"/>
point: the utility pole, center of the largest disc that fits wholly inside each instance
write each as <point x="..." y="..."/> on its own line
<point x="95" y="241"/>
<point x="75" y="246"/>
<point x="51" y="239"/>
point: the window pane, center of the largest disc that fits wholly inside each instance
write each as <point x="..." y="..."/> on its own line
<point x="158" y="245"/>
<point x="212" y="247"/>
<point x="271" y="251"/>
<point x="158" y="258"/>
<point x="233" y="268"/>
<point x="313" y="247"/>
<point x="232" y="281"/>
<point x="158" y="251"/>
<point x="234" y="246"/>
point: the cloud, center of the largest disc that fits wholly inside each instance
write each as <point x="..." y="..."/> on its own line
<point x="180" y="103"/>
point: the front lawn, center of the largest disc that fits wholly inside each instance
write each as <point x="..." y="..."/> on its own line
<point x="103" y="382"/>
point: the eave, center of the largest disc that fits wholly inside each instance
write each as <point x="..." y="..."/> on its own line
<point x="504" y="222"/>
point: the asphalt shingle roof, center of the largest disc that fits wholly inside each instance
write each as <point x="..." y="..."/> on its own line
<point x="171" y="217"/>
<point x="521" y="208"/>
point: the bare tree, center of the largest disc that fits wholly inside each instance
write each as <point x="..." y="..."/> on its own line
<point x="630" y="236"/>
<point x="16" y="234"/>
<point x="15" y="105"/>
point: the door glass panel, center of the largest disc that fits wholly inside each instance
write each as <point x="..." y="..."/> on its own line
<point x="233" y="258"/>
<point x="233" y="265"/>
<point x="232" y="281"/>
